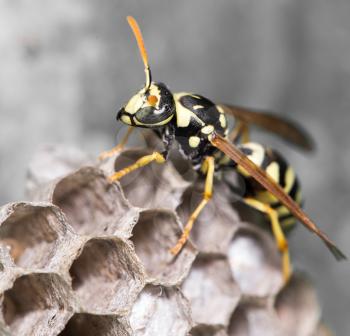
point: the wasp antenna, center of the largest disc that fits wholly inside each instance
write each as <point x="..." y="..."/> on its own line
<point x="138" y="35"/>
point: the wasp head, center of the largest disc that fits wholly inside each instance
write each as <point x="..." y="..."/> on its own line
<point x="151" y="107"/>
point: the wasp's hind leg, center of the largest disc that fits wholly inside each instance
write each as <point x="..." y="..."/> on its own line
<point x="278" y="233"/>
<point x="118" y="148"/>
<point x="208" y="168"/>
<point x="143" y="161"/>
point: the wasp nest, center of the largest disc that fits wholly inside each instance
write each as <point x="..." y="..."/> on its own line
<point x="86" y="257"/>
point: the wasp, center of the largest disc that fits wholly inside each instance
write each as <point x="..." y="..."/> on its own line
<point x="200" y="128"/>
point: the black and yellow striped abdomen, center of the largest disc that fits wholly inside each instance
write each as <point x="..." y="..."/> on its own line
<point x="280" y="171"/>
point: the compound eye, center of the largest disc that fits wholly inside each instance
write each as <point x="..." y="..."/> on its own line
<point x="152" y="100"/>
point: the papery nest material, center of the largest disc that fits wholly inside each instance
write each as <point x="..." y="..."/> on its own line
<point x="86" y="257"/>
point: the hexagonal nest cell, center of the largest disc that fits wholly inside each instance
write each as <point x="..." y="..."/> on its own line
<point x="207" y="237"/>
<point x="94" y="264"/>
<point x="31" y="233"/>
<point x="160" y="311"/>
<point x="154" y="234"/>
<point x="92" y="204"/>
<point x="106" y="276"/>
<point x="153" y="186"/>
<point x="37" y="304"/>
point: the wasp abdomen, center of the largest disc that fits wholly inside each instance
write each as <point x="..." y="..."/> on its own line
<point x="280" y="171"/>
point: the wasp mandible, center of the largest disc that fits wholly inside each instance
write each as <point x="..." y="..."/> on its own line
<point x="200" y="128"/>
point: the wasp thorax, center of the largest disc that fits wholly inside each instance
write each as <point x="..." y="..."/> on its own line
<point x="150" y="107"/>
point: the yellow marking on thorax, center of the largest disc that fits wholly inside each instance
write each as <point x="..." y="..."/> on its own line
<point x="220" y="109"/>
<point x="183" y="115"/>
<point x="196" y="107"/>
<point x="207" y="129"/>
<point x="194" y="141"/>
<point x="223" y="121"/>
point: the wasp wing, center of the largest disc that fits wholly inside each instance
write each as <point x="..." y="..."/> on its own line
<point x="285" y="128"/>
<point x="269" y="184"/>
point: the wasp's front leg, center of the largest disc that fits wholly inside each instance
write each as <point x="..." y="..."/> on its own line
<point x="118" y="148"/>
<point x="209" y="168"/>
<point x="143" y="161"/>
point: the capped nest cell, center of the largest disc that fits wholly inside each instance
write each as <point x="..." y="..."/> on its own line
<point x="90" y="257"/>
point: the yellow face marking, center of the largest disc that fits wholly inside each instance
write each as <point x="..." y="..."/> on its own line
<point x="274" y="171"/>
<point x="154" y="91"/>
<point x="134" y="104"/>
<point x="194" y="141"/>
<point x="290" y="178"/>
<point x="207" y="129"/>
<point x="196" y="107"/>
<point x="222" y="119"/>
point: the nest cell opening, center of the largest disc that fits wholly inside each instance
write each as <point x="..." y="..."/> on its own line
<point x="213" y="229"/>
<point x="91" y="204"/>
<point x="37" y="304"/>
<point x="31" y="234"/>
<point x="92" y="325"/>
<point x="154" y="234"/>
<point x="105" y="276"/>
<point x="153" y="186"/>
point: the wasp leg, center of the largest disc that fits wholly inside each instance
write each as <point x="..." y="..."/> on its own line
<point x="143" y="161"/>
<point x="208" y="168"/>
<point x="118" y="148"/>
<point x="278" y="233"/>
<point x="241" y="130"/>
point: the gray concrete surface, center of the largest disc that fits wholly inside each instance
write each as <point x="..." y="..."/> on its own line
<point x="66" y="66"/>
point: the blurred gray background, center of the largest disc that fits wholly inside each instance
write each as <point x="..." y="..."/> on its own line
<point x="67" y="66"/>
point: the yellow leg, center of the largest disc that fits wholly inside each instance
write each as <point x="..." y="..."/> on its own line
<point x="278" y="233"/>
<point x="143" y="161"/>
<point x="241" y="129"/>
<point x="118" y="148"/>
<point x="208" y="168"/>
